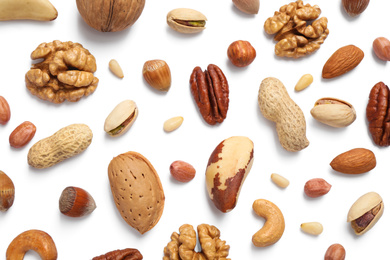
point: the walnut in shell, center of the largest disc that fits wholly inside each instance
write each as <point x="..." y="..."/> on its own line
<point x="66" y="72"/>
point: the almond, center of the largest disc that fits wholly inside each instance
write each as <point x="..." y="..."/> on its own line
<point x="355" y="7"/>
<point x="343" y="60"/>
<point x="355" y="161"/>
<point x="316" y="187"/>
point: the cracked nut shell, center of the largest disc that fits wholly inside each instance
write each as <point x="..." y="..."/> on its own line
<point x="365" y="212"/>
<point x="227" y="168"/>
<point x="121" y="118"/>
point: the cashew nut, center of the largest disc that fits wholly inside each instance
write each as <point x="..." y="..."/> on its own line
<point x="36" y="240"/>
<point x="274" y="225"/>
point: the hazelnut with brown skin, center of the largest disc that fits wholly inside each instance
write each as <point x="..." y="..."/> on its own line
<point x="76" y="202"/>
<point x="241" y="53"/>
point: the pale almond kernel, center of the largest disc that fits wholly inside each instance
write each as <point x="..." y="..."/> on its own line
<point x="304" y="82"/>
<point x="115" y="68"/>
<point x="182" y="171"/>
<point x="280" y="180"/>
<point x="173" y="123"/>
<point x="312" y="228"/>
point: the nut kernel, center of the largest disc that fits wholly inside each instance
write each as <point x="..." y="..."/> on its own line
<point x="182" y="171"/>
<point x="5" y="112"/>
<point x="304" y="82"/>
<point x="335" y="252"/>
<point x="115" y="68"/>
<point x="173" y="123"/>
<point x="22" y="134"/>
<point x="312" y="228"/>
<point x="381" y="47"/>
<point x="280" y="180"/>
<point x="185" y="20"/>
<point x="121" y="118"/>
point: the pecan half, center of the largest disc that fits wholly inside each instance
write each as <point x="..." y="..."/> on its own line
<point x="124" y="254"/>
<point x="210" y="90"/>
<point x="378" y="114"/>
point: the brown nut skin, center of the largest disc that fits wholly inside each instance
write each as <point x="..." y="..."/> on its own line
<point x="377" y="111"/>
<point x="381" y="47"/>
<point x="36" y="240"/>
<point x="123" y="254"/>
<point x="247" y="6"/>
<point x="111" y="15"/>
<point x="227" y="168"/>
<point x="335" y="252"/>
<point x="5" y="112"/>
<point x="273" y="228"/>
<point x="22" y="134"/>
<point x="157" y="74"/>
<point x="7" y="192"/>
<point x="76" y="202"/>
<point x="316" y="187"/>
<point x="182" y="171"/>
<point x="355" y="161"/>
<point x="241" y="53"/>
<point x="355" y="7"/>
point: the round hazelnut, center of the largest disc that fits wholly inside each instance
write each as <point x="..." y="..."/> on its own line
<point x="110" y="15"/>
<point x="241" y="53"/>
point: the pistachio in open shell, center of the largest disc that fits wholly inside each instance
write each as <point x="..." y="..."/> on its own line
<point x="333" y="112"/>
<point x="185" y="20"/>
<point x="121" y="118"/>
<point x="110" y="15"/>
<point x="365" y="212"/>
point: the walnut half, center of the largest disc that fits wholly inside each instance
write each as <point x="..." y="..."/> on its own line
<point x="66" y="72"/>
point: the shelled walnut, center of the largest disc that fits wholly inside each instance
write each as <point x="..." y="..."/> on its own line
<point x="182" y="246"/>
<point x="66" y="72"/>
<point x="295" y="38"/>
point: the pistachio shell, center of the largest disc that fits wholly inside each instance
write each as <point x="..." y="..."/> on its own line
<point x="123" y="116"/>
<point x="333" y="112"/>
<point x="363" y="205"/>
<point x="185" y="15"/>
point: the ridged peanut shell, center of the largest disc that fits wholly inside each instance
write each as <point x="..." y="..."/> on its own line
<point x="65" y="143"/>
<point x="333" y="112"/>
<point x="363" y="205"/>
<point x="176" y="17"/>
<point x="7" y="192"/>
<point x="137" y="190"/>
<point x="355" y="161"/>
<point x="276" y="105"/>
<point x="121" y="118"/>
<point x="110" y="15"/>
<point x="227" y="168"/>
<point x="343" y="60"/>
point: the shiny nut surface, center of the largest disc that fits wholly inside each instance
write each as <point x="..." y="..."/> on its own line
<point x="76" y="202"/>
<point x="185" y="20"/>
<point x="241" y="53"/>
<point x="365" y="212"/>
<point x="121" y="118"/>
<point x="381" y="46"/>
<point x="227" y="168"/>
<point x="7" y="192"/>
<point x="182" y="171"/>
<point x="5" y="112"/>
<point x="335" y="252"/>
<point x="158" y="74"/>
<point x="22" y="134"/>
<point x="333" y="112"/>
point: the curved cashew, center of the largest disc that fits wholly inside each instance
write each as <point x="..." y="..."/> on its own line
<point x="274" y="225"/>
<point x="36" y="240"/>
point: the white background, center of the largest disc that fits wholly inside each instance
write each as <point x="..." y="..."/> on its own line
<point x="38" y="191"/>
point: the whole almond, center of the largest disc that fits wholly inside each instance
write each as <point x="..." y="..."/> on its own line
<point x="247" y="6"/>
<point x="381" y="47"/>
<point x="355" y="7"/>
<point x="343" y="60"/>
<point x="5" y="112"/>
<point x="22" y="134"/>
<point x="355" y="161"/>
<point x="316" y="187"/>
<point x="335" y="252"/>
<point x="182" y="171"/>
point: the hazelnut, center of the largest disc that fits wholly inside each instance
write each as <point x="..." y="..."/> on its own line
<point x="241" y="53"/>
<point x="110" y="15"/>
<point x="157" y="74"/>
<point x="381" y="47"/>
<point x="76" y="202"/>
<point x="182" y="171"/>
<point x="7" y="192"/>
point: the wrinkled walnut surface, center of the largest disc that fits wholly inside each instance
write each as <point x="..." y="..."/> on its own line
<point x="66" y="72"/>
<point x="182" y="246"/>
<point x="378" y="114"/>
<point x="295" y="38"/>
